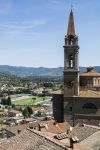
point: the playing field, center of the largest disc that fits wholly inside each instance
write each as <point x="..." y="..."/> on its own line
<point x="30" y="101"/>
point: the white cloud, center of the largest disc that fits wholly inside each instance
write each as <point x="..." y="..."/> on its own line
<point x="24" y="27"/>
<point x="23" y="24"/>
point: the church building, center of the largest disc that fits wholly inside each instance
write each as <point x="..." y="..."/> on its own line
<point x="80" y="101"/>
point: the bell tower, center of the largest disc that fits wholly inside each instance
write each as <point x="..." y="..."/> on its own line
<point x="71" y="60"/>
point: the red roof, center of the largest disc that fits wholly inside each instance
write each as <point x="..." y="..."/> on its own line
<point x="90" y="73"/>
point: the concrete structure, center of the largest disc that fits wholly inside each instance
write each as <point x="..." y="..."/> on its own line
<point x="76" y="104"/>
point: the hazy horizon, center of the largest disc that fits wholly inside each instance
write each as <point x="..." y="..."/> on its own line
<point x="42" y="66"/>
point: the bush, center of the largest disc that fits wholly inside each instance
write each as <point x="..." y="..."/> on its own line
<point x="25" y="112"/>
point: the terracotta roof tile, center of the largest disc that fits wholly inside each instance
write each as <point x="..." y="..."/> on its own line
<point x="30" y="140"/>
<point x="82" y="132"/>
<point x="14" y="129"/>
<point x="89" y="93"/>
<point x="93" y="74"/>
<point x="90" y="72"/>
<point x="55" y="128"/>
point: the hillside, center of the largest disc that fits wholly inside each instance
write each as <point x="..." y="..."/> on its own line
<point x="29" y="71"/>
<point x="41" y="71"/>
<point x="8" y="79"/>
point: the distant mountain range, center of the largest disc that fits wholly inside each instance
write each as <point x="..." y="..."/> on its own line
<point x="41" y="71"/>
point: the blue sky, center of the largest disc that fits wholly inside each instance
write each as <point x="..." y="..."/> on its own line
<point x="32" y="31"/>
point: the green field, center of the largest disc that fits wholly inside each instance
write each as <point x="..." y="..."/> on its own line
<point x="30" y="101"/>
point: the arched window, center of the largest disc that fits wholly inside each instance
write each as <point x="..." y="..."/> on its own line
<point x="70" y="84"/>
<point x="71" y="40"/>
<point x="71" y="61"/>
<point x="89" y="106"/>
<point x="98" y="81"/>
<point x="70" y="108"/>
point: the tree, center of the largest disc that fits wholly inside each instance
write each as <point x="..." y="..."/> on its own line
<point x="34" y="98"/>
<point x="48" y="84"/>
<point x="30" y="111"/>
<point x="43" y="98"/>
<point x="3" y="101"/>
<point x="25" y="112"/>
<point x="9" y="101"/>
<point x="13" y="105"/>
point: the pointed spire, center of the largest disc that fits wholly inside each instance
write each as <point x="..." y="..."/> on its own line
<point x="71" y="28"/>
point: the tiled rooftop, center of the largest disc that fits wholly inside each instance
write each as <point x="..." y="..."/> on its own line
<point x="93" y="141"/>
<point x="14" y="129"/>
<point x="89" y="93"/>
<point x="83" y="132"/>
<point x="30" y="140"/>
<point x="84" y="93"/>
<point x="90" y="73"/>
<point x="56" y="128"/>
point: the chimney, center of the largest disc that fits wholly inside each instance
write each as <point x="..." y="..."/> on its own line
<point x="73" y="140"/>
<point x="71" y="143"/>
<point x="19" y="131"/>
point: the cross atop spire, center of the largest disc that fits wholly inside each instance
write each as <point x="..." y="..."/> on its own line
<point x="71" y="28"/>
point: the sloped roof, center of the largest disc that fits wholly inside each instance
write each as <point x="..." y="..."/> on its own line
<point x="90" y="73"/>
<point x="56" y="128"/>
<point x="93" y="141"/>
<point x="83" y="132"/>
<point x="30" y="140"/>
<point x="89" y="93"/>
<point x="14" y="129"/>
<point x="71" y="28"/>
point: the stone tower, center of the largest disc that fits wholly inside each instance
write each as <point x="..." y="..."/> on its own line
<point x="71" y="61"/>
<point x="74" y="105"/>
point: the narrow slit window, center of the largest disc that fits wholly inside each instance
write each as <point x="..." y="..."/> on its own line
<point x="71" y="61"/>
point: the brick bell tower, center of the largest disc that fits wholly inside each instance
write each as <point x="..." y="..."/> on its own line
<point x="71" y="61"/>
<point x="64" y="102"/>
